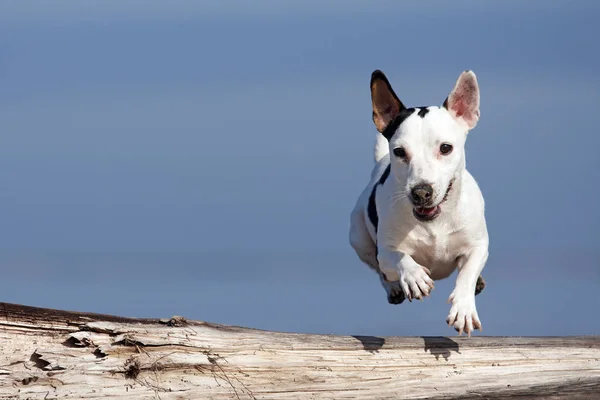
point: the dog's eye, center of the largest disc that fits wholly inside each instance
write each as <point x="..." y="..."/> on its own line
<point x="400" y="152"/>
<point x="446" y="148"/>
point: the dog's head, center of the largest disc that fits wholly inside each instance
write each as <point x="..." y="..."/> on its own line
<point x="426" y="143"/>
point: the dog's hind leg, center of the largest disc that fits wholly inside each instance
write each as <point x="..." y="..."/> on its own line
<point x="480" y="285"/>
<point x="361" y="240"/>
<point x="366" y="249"/>
<point x="395" y="295"/>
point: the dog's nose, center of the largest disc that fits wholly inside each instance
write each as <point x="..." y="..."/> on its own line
<point x="422" y="193"/>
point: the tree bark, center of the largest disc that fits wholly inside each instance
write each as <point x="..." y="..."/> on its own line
<point x="52" y="354"/>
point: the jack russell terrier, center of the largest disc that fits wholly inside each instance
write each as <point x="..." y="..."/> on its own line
<point x="422" y="214"/>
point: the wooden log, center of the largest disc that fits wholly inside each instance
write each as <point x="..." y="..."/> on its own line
<point x="52" y="354"/>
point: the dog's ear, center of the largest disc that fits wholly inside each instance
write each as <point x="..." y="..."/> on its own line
<point x="386" y="105"/>
<point x="463" y="101"/>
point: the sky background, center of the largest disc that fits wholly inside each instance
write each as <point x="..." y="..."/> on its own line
<point x="202" y="158"/>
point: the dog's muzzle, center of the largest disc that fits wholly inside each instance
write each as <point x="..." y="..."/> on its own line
<point x="421" y="196"/>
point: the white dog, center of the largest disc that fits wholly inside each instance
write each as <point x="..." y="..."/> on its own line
<point x="422" y="214"/>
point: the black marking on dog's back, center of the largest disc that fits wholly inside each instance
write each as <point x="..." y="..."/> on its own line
<point x="405" y="113"/>
<point x="372" y="207"/>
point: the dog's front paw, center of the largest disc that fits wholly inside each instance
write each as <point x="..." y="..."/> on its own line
<point x="463" y="314"/>
<point x="416" y="282"/>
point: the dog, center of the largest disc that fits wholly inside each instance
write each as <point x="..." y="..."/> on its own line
<point x="422" y="214"/>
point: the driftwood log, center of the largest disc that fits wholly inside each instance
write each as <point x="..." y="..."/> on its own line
<point x="51" y="354"/>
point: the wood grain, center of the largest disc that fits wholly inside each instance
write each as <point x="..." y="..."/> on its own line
<point x="53" y="354"/>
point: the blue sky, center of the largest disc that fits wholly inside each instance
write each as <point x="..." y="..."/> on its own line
<point x="202" y="158"/>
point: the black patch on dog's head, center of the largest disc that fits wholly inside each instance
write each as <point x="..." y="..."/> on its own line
<point x="395" y="124"/>
<point x="372" y="207"/>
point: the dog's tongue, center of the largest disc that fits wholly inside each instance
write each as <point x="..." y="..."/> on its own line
<point x="427" y="210"/>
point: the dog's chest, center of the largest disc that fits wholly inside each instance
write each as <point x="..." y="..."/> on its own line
<point x="436" y="250"/>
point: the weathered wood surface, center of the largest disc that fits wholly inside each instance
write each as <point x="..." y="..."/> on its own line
<point x="50" y="354"/>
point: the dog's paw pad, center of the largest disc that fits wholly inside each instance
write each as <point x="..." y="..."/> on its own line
<point x="480" y="285"/>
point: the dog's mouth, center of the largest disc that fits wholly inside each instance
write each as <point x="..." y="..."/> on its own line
<point x="430" y="213"/>
<point x="426" y="213"/>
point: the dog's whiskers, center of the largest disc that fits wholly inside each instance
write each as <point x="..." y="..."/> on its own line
<point x="397" y="197"/>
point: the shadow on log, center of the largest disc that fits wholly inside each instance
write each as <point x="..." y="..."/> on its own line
<point x="52" y="354"/>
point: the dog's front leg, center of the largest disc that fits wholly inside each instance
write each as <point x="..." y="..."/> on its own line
<point x="463" y="313"/>
<point x="413" y="278"/>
